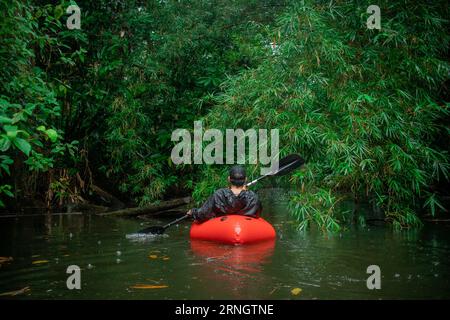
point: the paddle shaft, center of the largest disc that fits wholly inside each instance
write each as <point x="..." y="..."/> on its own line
<point x="176" y="221"/>
<point x="271" y="173"/>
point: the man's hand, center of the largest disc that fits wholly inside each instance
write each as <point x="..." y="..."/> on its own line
<point x="189" y="213"/>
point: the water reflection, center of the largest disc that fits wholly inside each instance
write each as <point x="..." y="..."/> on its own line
<point x="235" y="269"/>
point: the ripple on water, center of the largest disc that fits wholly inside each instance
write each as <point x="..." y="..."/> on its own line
<point x="145" y="236"/>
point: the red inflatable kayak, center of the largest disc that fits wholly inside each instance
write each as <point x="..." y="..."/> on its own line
<point x="233" y="229"/>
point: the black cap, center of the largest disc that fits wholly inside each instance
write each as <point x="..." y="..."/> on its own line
<point x="237" y="175"/>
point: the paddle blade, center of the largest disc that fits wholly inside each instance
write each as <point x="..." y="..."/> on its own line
<point x="153" y="230"/>
<point x="289" y="163"/>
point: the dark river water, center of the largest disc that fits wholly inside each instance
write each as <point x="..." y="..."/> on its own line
<point x="36" y="252"/>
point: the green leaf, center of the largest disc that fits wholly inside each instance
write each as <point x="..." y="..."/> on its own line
<point x="62" y="89"/>
<point x="52" y="134"/>
<point x="5" y="143"/>
<point x="22" y="145"/>
<point x="38" y="143"/>
<point x="11" y="132"/>
<point x="58" y="12"/>
<point x="8" y="193"/>
<point x="5" y="167"/>
<point x="6" y="189"/>
<point x="4" y="119"/>
<point x="29" y="108"/>
<point x="19" y="116"/>
<point x="6" y="159"/>
<point x="432" y="202"/>
<point x="40" y="128"/>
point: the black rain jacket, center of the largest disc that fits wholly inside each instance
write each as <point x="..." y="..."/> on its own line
<point x="224" y="202"/>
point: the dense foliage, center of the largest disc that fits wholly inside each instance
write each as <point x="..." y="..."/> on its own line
<point x="364" y="106"/>
<point x="34" y="60"/>
<point x="367" y="108"/>
<point x="117" y="88"/>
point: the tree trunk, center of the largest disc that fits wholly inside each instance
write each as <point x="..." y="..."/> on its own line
<point x="108" y="199"/>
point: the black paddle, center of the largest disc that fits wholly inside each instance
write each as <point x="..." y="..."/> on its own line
<point x="161" y="229"/>
<point x="286" y="165"/>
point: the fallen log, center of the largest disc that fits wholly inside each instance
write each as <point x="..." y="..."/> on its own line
<point x="169" y="213"/>
<point x="154" y="208"/>
<point x="107" y="199"/>
<point x="86" y="207"/>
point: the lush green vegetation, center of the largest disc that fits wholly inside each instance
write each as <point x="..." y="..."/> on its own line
<point x="364" y="106"/>
<point x="367" y="108"/>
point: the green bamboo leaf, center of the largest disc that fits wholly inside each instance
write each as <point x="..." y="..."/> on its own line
<point x="58" y="12"/>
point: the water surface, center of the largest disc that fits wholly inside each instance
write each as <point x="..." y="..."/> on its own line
<point x="414" y="264"/>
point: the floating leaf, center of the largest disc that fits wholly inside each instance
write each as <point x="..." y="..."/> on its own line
<point x="148" y="286"/>
<point x="5" y="259"/>
<point x="296" y="291"/>
<point x="153" y="256"/>
<point x="16" y="292"/>
<point x="166" y="258"/>
<point x="40" y="261"/>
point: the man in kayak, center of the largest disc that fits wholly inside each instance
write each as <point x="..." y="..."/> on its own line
<point x="233" y="200"/>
